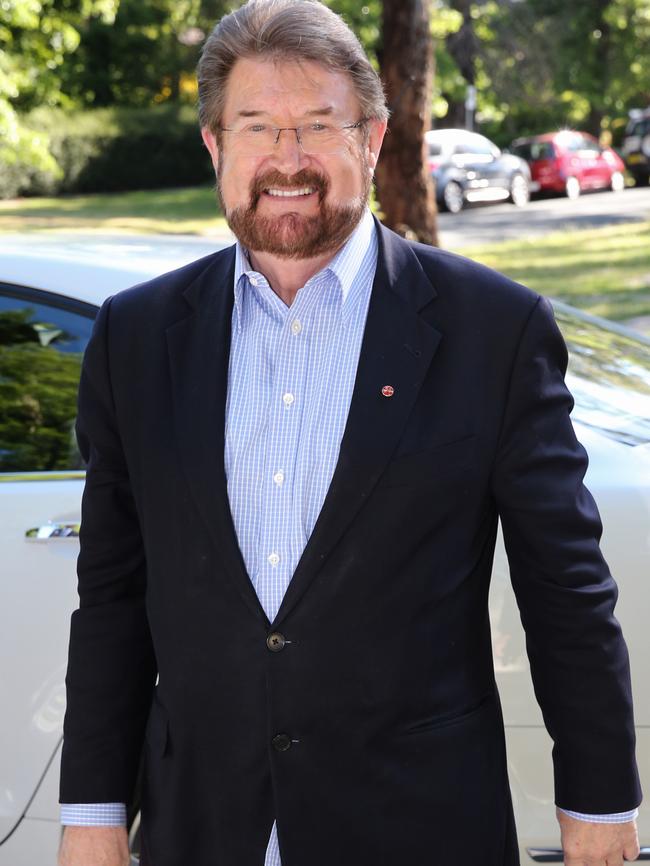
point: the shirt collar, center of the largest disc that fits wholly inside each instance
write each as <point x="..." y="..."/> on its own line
<point x="345" y="264"/>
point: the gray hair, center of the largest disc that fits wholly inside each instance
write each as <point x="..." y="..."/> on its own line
<point x="284" y="30"/>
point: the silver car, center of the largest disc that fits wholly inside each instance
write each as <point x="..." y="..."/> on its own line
<point x="49" y="294"/>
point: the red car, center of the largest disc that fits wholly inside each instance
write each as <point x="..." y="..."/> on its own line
<point x="569" y="162"/>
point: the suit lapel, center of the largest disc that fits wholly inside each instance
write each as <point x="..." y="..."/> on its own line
<point x="199" y="351"/>
<point x="397" y="349"/>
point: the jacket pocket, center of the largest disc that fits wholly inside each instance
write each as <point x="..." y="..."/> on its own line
<point x="430" y="464"/>
<point x="445" y="720"/>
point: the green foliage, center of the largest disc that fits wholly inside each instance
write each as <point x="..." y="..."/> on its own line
<point x="147" y="55"/>
<point x="38" y="395"/>
<point x="546" y="64"/>
<point x="117" y="149"/>
<point x="36" y="36"/>
<point x="364" y="19"/>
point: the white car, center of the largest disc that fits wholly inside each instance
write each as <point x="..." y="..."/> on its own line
<point x="50" y="289"/>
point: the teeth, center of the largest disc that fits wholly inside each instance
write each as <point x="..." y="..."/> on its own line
<point x="290" y="193"/>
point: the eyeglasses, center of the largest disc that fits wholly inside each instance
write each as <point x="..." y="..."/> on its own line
<point x="259" y="139"/>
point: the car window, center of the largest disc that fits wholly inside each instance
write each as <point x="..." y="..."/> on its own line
<point x="641" y="128"/>
<point x="589" y="145"/>
<point x="475" y="145"/>
<point x="609" y="377"/>
<point x="42" y="341"/>
<point x="534" y="150"/>
<point x="573" y="143"/>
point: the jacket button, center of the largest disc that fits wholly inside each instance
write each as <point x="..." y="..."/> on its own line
<point x="281" y="742"/>
<point x="275" y="642"/>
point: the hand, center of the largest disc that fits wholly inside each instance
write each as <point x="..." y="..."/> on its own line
<point x="588" y="844"/>
<point x="94" y="846"/>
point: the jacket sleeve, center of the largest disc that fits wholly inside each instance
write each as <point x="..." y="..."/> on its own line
<point x="565" y="592"/>
<point x="111" y="664"/>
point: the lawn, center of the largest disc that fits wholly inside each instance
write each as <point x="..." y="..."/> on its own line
<point x="605" y="271"/>
<point x="192" y="210"/>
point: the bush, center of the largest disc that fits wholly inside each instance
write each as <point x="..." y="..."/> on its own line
<point x="111" y="150"/>
<point x="22" y="152"/>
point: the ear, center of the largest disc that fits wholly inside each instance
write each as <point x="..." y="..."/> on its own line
<point x="210" y="141"/>
<point x="376" y="133"/>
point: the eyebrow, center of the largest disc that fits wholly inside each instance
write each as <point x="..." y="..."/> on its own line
<point x="317" y="112"/>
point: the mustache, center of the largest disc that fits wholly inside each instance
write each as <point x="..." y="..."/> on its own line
<point x="277" y="180"/>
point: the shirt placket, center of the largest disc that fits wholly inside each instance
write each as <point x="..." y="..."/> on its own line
<point x="278" y="553"/>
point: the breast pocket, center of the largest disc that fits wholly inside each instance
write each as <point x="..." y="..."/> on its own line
<point x="439" y="461"/>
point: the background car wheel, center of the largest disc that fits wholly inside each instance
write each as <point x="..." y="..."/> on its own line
<point x="641" y="179"/>
<point x="519" y="191"/>
<point x="452" y="197"/>
<point x="572" y="188"/>
<point x="617" y="181"/>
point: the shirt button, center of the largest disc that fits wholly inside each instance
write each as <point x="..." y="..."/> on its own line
<point x="278" y="478"/>
<point x="274" y="559"/>
<point x="276" y="642"/>
<point x="288" y="399"/>
<point x="253" y="280"/>
<point x="296" y="326"/>
<point x="281" y="742"/>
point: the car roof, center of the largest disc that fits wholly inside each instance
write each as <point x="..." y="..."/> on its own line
<point x="451" y="134"/>
<point x="558" y="135"/>
<point x="90" y="267"/>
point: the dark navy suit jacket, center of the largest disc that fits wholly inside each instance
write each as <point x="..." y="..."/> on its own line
<point x="385" y="687"/>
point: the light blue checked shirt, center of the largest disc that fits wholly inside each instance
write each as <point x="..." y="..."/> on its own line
<point x="290" y="383"/>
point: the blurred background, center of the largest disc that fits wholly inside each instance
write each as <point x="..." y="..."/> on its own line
<point x="98" y="129"/>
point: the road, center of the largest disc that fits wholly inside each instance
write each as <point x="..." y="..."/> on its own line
<point x="491" y="223"/>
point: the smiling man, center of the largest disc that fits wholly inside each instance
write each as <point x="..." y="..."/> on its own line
<point x="298" y="451"/>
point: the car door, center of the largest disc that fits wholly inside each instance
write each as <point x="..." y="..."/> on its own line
<point x="486" y="179"/>
<point x="589" y="153"/>
<point x="42" y="339"/>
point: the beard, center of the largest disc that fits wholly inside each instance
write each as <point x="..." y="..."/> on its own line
<point x="292" y="235"/>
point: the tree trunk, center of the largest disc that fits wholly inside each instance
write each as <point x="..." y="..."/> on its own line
<point x="404" y="184"/>
<point x="463" y="47"/>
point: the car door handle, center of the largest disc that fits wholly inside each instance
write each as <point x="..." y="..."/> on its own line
<point x="554" y="855"/>
<point x="52" y="532"/>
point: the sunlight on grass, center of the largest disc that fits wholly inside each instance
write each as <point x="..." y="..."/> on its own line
<point x="605" y="271"/>
<point x="193" y="210"/>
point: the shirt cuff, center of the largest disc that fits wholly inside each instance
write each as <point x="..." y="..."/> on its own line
<point x="93" y="814"/>
<point x="614" y="818"/>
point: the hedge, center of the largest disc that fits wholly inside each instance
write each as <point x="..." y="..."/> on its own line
<point x="111" y="150"/>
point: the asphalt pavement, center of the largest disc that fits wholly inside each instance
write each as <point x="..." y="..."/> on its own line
<point x="485" y="224"/>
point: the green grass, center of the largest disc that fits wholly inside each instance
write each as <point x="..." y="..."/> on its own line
<point x="604" y="271"/>
<point x="192" y="210"/>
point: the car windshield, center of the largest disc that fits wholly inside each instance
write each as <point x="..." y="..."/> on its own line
<point x="609" y="377"/>
<point x="641" y="128"/>
<point x="533" y="150"/>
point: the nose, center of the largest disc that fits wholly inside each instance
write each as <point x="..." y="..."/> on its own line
<point x="288" y="155"/>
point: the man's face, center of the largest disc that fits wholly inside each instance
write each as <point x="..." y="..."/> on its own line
<point x="328" y="191"/>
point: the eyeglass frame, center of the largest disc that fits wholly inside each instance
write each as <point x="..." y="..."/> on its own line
<point x="298" y="130"/>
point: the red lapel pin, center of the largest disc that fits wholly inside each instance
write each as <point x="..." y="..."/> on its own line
<point x="388" y="391"/>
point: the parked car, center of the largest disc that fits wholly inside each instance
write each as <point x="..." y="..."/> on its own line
<point x="49" y="294"/>
<point x="569" y="162"/>
<point x="468" y="167"/>
<point x="636" y="146"/>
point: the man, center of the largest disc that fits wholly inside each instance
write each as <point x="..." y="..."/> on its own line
<point x="297" y="452"/>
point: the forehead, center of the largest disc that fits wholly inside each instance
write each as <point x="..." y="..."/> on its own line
<point x="293" y="88"/>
